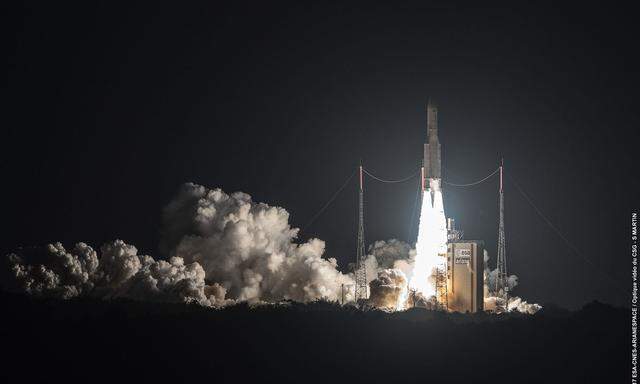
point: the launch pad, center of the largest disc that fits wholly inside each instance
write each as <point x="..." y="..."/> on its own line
<point x="459" y="282"/>
<point x="448" y="272"/>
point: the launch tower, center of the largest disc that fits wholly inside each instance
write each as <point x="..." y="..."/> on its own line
<point x="360" y="272"/>
<point x="502" y="288"/>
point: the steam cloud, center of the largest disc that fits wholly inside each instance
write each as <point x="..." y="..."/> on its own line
<point x="248" y="248"/>
<point x="53" y="271"/>
<point x="389" y="290"/>
<point x="222" y="248"/>
<point x="492" y="299"/>
<point x="390" y="254"/>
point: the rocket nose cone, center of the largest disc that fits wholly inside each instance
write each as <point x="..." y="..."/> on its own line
<point x="431" y="103"/>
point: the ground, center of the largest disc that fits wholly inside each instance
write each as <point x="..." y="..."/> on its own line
<point x="121" y="341"/>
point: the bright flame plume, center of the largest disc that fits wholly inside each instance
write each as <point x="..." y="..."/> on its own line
<point x="432" y="241"/>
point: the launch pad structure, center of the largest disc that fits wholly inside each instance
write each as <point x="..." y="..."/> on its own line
<point x="442" y="290"/>
<point x="459" y="284"/>
<point x="459" y="279"/>
<point x="502" y="287"/>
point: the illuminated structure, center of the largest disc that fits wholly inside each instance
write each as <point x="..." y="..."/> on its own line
<point x="448" y="272"/>
<point x="465" y="282"/>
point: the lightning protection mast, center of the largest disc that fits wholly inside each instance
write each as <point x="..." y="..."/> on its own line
<point x="502" y="288"/>
<point x="361" y="273"/>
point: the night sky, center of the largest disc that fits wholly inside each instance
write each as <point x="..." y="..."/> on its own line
<point x="108" y="109"/>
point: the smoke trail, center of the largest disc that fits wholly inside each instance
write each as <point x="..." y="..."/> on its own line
<point x="432" y="241"/>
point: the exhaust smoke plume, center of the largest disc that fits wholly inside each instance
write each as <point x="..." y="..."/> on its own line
<point x="222" y="248"/>
<point x="493" y="299"/>
<point x="389" y="254"/>
<point x="388" y="265"/>
<point x="389" y="290"/>
<point x="248" y="248"/>
<point x="118" y="271"/>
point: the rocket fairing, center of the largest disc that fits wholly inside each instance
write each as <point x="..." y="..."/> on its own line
<point x="432" y="146"/>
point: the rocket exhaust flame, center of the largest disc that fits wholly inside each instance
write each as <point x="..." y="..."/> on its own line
<point x="431" y="249"/>
<point x="432" y="241"/>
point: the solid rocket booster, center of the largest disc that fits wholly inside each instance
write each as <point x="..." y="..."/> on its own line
<point x="432" y="168"/>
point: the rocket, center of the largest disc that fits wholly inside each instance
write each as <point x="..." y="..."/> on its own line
<point x="431" y="169"/>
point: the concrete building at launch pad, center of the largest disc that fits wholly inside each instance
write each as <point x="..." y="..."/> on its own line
<point x="465" y="275"/>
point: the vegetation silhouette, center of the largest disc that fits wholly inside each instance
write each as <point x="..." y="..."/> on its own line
<point x="88" y="340"/>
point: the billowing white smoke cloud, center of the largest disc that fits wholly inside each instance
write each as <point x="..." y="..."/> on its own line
<point x="490" y="281"/>
<point x="53" y="271"/>
<point x="245" y="251"/>
<point x="491" y="301"/>
<point x="221" y="249"/>
<point x="117" y="272"/>
<point x="389" y="251"/>
<point x="389" y="290"/>
<point x="389" y="254"/>
<point x="490" y="277"/>
<point x="513" y="304"/>
<point x="517" y="304"/>
<point x="248" y="248"/>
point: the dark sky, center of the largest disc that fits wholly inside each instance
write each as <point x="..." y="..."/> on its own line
<point x="108" y="109"/>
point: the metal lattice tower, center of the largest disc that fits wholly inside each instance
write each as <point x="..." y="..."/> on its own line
<point x="442" y="302"/>
<point x="361" y="272"/>
<point x="501" y="263"/>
